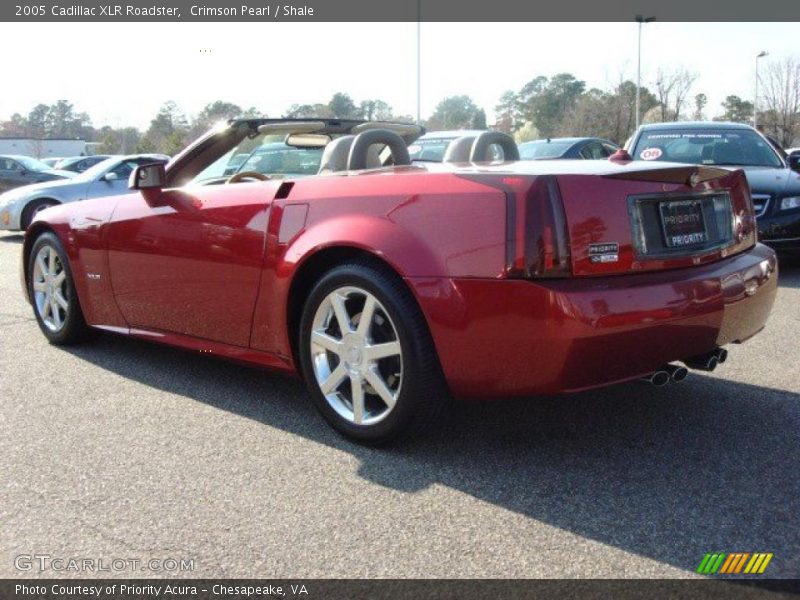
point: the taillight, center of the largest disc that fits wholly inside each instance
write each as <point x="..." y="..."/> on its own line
<point x="536" y="228"/>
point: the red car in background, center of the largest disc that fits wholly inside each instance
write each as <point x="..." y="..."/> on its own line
<point x="387" y="285"/>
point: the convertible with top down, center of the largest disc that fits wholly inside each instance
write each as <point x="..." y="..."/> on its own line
<point x="317" y="247"/>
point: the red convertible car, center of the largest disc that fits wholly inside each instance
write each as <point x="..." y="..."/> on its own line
<point x="317" y="247"/>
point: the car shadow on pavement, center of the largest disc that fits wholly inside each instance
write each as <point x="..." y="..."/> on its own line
<point x="667" y="473"/>
<point x="12" y="239"/>
<point x="789" y="272"/>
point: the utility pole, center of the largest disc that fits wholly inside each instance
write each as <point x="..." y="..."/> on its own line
<point x="641" y="21"/>
<point x="761" y="54"/>
<point x="419" y="62"/>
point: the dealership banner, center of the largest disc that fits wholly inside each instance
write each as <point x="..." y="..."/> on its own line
<point x="398" y="10"/>
<point x="411" y="589"/>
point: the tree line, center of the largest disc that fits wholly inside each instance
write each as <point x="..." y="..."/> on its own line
<point x="556" y="106"/>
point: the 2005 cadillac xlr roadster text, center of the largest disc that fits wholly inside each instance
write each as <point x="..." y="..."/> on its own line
<point x="317" y="247"/>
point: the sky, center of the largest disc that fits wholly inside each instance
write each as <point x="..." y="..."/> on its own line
<point x="121" y="73"/>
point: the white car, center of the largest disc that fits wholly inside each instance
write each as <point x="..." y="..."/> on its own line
<point x="108" y="178"/>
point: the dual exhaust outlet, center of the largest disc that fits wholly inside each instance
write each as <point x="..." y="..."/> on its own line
<point x="677" y="373"/>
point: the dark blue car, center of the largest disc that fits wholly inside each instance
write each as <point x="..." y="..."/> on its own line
<point x="589" y="148"/>
<point x="774" y="180"/>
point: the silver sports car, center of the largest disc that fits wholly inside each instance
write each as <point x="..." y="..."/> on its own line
<point x="108" y="178"/>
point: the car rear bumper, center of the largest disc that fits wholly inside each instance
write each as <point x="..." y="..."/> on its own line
<point x="512" y="337"/>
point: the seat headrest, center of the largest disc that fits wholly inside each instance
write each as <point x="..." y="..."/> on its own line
<point x="459" y="149"/>
<point x="482" y="143"/>
<point x="360" y="149"/>
<point x="334" y="157"/>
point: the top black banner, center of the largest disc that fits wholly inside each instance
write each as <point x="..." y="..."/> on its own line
<point x="400" y="10"/>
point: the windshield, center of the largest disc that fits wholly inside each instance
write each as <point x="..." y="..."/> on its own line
<point x="429" y="150"/>
<point x="724" y="147"/>
<point x="265" y="154"/>
<point x="31" y="163"/>
<point x="543" y="149"/>
<point x="95" y="171"/>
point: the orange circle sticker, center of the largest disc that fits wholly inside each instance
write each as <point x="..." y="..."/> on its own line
<point x="650" y="153"/>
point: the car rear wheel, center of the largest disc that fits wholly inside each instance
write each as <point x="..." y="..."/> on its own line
<point x="367" y="356"/>
<point x="52" y="293"/>
<point x="32" y="209"/>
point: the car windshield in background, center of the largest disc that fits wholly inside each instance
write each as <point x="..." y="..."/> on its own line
<point x="724" y="147"/>
<point x="95" y="171"/>
<point x="429" y="150"/>
<point x="267" y="155"/>
<point x="32" y="164"/>
<point x="537" y="150"/>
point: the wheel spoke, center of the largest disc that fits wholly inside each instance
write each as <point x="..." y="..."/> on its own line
<point x="380" y="387"/>
<point x="357" y="389"/>
<point x="340" y="310"/>
<point x="48" y="305"/>
<point x="56" y="314"/>
<point x="39" y="286"/>
<point x="41" y="264"/>
<point x="334" y="380"/>
<point x="326" y="341"/>
<point x="378" y="351"/>
<point x="60" y="300"/>
<point x="51" y="261"/>
<point x="59" y="279"/>
<point x="367" y="314"/>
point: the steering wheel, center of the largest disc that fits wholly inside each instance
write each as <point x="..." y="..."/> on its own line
<point x="237" y="177"/>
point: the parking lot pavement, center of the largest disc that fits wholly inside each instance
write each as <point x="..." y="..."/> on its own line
<point x="120" y="449"/>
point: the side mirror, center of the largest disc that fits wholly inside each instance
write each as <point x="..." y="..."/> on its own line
<point x="794" y="162"/>
<point x="148" y="177"/>
<point x="110" y="176"/>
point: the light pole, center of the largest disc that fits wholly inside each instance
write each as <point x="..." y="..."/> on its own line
<point x="761" y="54"/>
<point x="641" y="21"/>
<point x="419" y="62"/>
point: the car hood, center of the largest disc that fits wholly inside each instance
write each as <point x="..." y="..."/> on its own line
<point x="35" y="188"/>
<point x="765" y="180"/>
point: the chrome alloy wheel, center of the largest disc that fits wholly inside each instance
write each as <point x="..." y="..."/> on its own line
<point x="356" y="354"/>
<point x="49" y="288"/>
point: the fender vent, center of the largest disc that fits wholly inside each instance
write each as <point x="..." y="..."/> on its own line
<point x="284" y="189"/>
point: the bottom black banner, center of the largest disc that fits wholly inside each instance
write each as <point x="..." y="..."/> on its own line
<point x="417" y="589"/>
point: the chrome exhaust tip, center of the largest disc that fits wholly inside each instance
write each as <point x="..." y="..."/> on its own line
<point x="657" y="378"/>
<point x="722" y="355"/>
<point x="676" y="372"/>
<point x="704" y="362"/>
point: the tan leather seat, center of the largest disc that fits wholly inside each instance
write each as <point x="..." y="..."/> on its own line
<point x="336" y="154"/>
<point x="458" y="150"/>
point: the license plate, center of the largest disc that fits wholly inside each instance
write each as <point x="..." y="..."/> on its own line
<point x="683" y="223"/>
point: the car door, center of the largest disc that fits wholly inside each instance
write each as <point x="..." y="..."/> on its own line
<point x="190" y="262"/>
<point x="12" y="174"/>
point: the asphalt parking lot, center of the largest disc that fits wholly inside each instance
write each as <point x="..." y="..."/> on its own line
<point x="120" y="449"/>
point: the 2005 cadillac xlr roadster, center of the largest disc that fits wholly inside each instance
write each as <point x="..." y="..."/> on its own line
<point x="317" y="247"/>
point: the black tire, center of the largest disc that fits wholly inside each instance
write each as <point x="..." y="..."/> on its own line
<point x="32" y="209"/>
<point x="74" y="328"/>
<point x="422" y="394"/>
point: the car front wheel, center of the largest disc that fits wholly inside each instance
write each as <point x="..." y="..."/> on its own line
<point x="52" y="292"/>
<point x="33" y="209"/>
<point x="367" y="356"/>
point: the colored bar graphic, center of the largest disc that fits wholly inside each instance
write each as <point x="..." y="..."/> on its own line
<point x="726" y="566"/>
<point x="732" y="563"/>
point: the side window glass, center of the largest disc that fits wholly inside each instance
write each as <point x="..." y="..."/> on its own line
<point x="123" y="170"/>
<point x="592" y="151"/>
